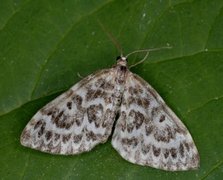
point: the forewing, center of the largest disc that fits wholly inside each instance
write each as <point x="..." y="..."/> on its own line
<point x="149" y="133"/>
<point x="75" y="121"/>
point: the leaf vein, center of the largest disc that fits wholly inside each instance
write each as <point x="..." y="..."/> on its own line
<point x="204" y="104"/>
<point x="13" y="14"/>
<point x="59" y="42"/>
<point x="215" y="167"/>
<point x="211" y="27"/>
<point x="25" y="166"/>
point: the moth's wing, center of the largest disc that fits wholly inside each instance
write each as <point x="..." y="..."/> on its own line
<point x="149" y="133"/>
<point x="75" y="121"/>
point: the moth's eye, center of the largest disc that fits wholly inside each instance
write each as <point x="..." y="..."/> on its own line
<point x="119" y="57"/>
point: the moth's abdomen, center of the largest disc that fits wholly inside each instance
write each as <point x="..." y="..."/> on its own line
<point x="120" y="79"/>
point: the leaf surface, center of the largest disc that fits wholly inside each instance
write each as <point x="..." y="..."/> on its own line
<point x="45" y="44"/>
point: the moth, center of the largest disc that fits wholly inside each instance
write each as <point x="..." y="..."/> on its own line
<point x="147" y="132"/>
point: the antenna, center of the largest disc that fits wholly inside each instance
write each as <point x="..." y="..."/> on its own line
<point x="111" y="37"/>
<point x="147" y="50"/>
<point x="147" y="53"/>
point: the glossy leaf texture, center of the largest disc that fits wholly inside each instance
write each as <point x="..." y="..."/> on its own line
<point x="44" y="44"/>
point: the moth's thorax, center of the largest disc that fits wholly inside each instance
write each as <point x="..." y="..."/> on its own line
<point x="121" y="66"/>
<point x="121" y="70"/>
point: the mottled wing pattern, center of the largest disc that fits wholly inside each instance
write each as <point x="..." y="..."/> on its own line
<point x="149" y="133"/>
<point x="75" y="121"/>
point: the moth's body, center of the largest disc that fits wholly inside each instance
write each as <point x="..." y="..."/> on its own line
<point x="147" y="132"/>
<point x="120" y="73"/>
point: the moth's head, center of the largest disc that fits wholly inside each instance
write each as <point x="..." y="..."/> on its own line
<point x="121" y="60"/>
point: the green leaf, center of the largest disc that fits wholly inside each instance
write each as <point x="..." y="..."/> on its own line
<point x="45" y="44"/>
